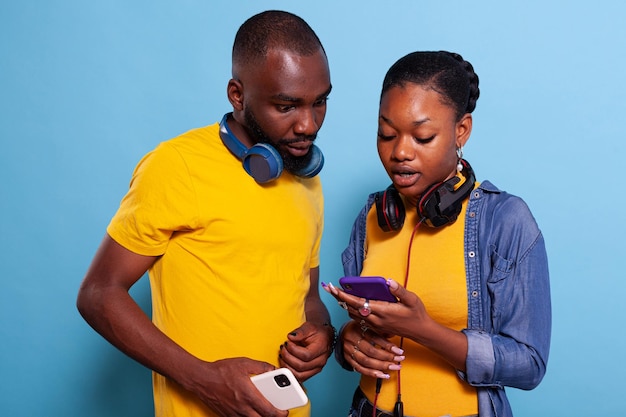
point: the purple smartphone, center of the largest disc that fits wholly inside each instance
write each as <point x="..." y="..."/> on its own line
<point x="371" y="288"/>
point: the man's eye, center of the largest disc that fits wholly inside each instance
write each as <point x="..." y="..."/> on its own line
<point x="284" y="108"/>
<point x="321" y="102"/>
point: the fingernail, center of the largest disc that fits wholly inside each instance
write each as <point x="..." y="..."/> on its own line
<point x="324" y="284"/>
<point x="399" y="358"/>
<point x="392" y="284"/>
<point x="381" y="375"/>
<point x="397" y="350"/>
<point x="395" y="367"/>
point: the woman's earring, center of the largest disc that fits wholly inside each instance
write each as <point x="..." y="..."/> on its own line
<point x="459" y="154"/>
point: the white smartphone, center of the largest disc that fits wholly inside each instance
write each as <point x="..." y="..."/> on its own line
<point x="281" y="388"/>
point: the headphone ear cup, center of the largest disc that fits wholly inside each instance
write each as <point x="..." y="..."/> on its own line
<point x="427" y="205"/>
<point x="390" y="210"/>
<point x="442" y="202"/>
<point x="263" y="163"/>
<point x="315" y="164"/>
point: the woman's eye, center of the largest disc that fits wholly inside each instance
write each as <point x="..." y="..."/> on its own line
<point x="424" y="141"/>
<point x="381" y="136"/>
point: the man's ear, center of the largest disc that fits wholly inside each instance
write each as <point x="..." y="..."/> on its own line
<point x="234" y="92"/>
<point x="463" y="130"/>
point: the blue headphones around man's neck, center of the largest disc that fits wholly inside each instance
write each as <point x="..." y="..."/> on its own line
<point x="262" y="161"/>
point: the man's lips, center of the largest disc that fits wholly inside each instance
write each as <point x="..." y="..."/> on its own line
<point x="300" y="148"/>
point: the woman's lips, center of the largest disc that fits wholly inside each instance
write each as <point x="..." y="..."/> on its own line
<point x="404" y="178"/>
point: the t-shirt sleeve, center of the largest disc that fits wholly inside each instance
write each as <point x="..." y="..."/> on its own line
<point x="160" y="201"/>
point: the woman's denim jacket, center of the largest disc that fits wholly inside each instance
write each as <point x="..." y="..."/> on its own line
<point x="508" y="291"/>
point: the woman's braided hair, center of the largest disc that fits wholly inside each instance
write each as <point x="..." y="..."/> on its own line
<point x="445" y="72"/>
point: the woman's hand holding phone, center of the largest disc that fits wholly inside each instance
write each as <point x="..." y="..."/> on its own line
<point x="363" y="343"/>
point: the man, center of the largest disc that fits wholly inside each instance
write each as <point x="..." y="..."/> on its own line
<point x="232" y="251"/>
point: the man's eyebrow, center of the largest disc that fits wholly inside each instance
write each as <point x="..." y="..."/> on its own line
<point x="288" y="98"/>
<point x="285" y="97"/>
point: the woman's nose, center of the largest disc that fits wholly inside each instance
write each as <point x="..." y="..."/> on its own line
<point x="403" y="149"/>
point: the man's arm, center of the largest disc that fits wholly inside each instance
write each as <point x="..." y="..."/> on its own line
<point x="308" y="347"/>
<point x="104" y="302"/>
<point x="315" y="309"/>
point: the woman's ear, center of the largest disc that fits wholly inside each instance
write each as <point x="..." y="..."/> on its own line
<point x="463" y="130"/>
<point x="234" y="92"/>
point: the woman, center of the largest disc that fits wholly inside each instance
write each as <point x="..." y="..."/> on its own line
<point x="466" y="262"/>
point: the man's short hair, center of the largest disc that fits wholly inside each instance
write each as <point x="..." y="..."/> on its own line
<point x="273" y="29"/>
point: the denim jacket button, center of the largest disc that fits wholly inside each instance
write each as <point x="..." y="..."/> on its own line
<point x="474" y="293"/>
<point x="471" y="254"/>
<point x="472" y="214"/>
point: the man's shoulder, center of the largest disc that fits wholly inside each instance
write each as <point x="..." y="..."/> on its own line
<point x="193" y="135"/>
<point x="192" y="141"/>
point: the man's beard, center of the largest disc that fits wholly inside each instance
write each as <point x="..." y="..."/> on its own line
<point x="291" y="163"/>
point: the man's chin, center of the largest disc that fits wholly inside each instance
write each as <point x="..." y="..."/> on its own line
<point x="293" y="163"/>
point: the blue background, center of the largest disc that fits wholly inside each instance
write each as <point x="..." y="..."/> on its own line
<point x="88" y="87"/>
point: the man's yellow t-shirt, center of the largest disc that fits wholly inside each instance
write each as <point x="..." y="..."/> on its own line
<point x="235" y="256"/>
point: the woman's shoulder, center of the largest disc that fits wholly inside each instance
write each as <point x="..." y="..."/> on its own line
<point x="499" y="196"/>
<point x="505" y="209"/>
